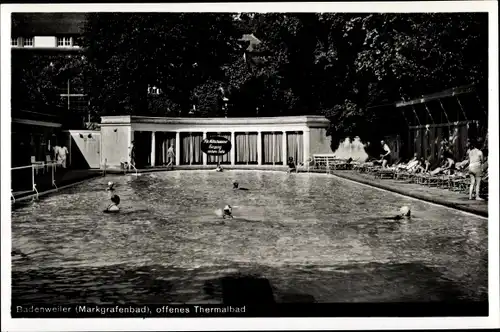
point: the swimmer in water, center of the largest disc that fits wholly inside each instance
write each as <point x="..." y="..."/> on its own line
<point x="111" y="186"/>
<point x="113" y="207"/>
<point x="404" y="212"/>
<point x="236" y="186"/>
<point x="227" y="212"/>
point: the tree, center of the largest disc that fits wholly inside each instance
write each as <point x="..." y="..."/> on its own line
<point x="39" y="79"/>
<point x="175" y="52"/>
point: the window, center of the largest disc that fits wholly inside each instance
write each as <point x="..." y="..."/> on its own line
<point x="63" y="41"/>
<point x="153" y="90"/>
<point x="14" y="41"/>
<point x="28" y="41"/>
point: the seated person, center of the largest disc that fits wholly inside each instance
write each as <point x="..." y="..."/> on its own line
<point x="291" y="165"/>
<point x="447" y="166"/>
<point x="414" y="165"/>
<point x="422" y="167"/>
<point x="412" y="162"/>
<point x="462" y="165"/>
<point x="113" y="207"/>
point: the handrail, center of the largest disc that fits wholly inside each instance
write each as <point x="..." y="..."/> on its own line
<point x="127" y="165"/>
<point x="54" y="177"/>
<point x="105" y="165"/>
<point x="34" y="167"/>
<point x="33" y="181"/>
<point x="133" y="166"/>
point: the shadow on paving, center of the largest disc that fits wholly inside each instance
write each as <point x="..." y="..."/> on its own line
<point x="374" y="282"/>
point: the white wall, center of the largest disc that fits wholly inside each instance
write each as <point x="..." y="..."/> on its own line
<point x="215" y="128"/>
<point x="85" y="151"/>
<point x="115" y="144"/>
<point x="43" y="41"/>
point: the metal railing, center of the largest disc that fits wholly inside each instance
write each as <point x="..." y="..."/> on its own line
<point x="127" y="165"/>
<point x="35" y="169"/>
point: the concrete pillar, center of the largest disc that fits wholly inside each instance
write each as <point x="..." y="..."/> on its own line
<point x="306" y="143"/>
<point x="284" y="148"/>
<point x="259" y="148"/>
<point x="204" y="154"/>
<point x="177" y="148"/>
<point x="233" y="148"/>
<point x="153" y="148"/>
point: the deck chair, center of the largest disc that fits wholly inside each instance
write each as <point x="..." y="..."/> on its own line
<point x="385" y="173"/>
<point x="306" y="165"/>
<point x="37" y="164"/>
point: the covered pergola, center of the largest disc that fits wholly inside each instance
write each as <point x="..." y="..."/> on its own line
<point x="453" y="115"/>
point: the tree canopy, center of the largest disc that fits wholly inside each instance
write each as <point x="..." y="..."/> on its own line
<point x="336" y="64"/>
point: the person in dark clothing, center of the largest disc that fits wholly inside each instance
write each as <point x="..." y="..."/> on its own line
<point x="291" y="165"/>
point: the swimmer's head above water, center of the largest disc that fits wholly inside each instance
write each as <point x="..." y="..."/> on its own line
<point x="227" y="211"/>
<point x="115" y="199"/>
<point x="405" y="211"/>
<point x="235" y="185"/>
<point x="111" y="185"/>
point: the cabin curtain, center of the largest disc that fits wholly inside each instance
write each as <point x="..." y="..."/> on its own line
<point x="267" y="148"/>
<point x="225" y="159"/>
<point x="164" y="140"/>
<point x="295" y="147"/>
<point x="272" y="148"/>
<point x="191" y="149"/>
<point x="252" y="144"/>
<point x="246" y="148"/>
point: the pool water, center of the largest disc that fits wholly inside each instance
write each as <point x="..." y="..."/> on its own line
<point x="304" y="237"/>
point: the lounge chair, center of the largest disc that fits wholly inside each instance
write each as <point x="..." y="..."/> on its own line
<point x="306" y="165"/>
<point x="385" y="173"/>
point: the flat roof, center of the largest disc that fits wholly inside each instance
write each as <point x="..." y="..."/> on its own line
<point x="309" y="120"/>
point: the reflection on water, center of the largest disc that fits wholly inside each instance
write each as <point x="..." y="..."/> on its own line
<point x="302" y="238"/>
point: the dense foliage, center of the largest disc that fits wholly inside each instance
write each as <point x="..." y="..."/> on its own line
<point x="339" y="65"/>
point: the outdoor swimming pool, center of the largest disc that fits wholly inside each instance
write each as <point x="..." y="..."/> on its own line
<point x="312" y="237"/>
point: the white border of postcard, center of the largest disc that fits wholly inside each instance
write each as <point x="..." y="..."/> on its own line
<point x="187" y="324"/>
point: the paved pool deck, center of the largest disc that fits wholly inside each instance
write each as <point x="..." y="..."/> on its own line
<point x="434" y="195"/>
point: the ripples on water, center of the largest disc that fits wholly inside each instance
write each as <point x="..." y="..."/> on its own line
<point x="313" y="237"/>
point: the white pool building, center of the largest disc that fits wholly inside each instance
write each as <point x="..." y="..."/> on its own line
<point x="255" y="141"/>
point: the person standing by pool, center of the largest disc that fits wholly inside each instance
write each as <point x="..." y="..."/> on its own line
<point x="61" y="155"/>
<point x="386" y="156"/>
<point x="475" y="169"/>
<point x="131" y="156"/>
<point x="170" y="156"/>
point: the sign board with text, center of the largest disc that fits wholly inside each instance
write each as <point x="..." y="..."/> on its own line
<point x="216" y="146"/>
